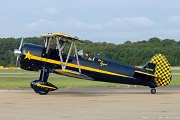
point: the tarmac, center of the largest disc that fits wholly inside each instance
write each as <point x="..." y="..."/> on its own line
<point x="126" y="103"/>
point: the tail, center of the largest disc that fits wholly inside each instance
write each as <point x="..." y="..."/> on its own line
<point x="160" y="66"/>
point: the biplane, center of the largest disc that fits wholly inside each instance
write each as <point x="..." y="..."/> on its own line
<point x="53" y="58"/>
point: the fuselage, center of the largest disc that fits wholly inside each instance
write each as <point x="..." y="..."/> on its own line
<point x="34" y="57"/>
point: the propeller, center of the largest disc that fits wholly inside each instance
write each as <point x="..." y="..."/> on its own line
<point x="17" y="52"/>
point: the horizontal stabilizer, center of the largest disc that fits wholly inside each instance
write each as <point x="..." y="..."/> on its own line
<point x="144" y="73"/>
<point x="149" y="66"/>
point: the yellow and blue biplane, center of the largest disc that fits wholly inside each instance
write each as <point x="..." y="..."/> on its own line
<point x="53" y="58"/>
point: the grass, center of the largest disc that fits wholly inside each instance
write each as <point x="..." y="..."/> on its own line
<point x="8" y="80"/>
<point x="175" y="71"/>
<point x="61" y="82"/>
<point x="175" y="80"/>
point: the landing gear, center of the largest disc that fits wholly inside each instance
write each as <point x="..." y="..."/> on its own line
<point x="41" y="86"/>
<point x="153" y="90"/>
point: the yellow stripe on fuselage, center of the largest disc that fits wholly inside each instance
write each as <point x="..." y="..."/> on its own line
<point x="30" y="56"/>
<point x="67" y="71"/>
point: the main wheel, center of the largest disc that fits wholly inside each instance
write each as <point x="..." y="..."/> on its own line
<point x="153" y="90"/>
<point x="43" y="92"/>
<point x="40" y="90"/>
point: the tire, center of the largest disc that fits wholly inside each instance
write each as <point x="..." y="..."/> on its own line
<point x="43" y="92"/>
<point x="153" y="91"/>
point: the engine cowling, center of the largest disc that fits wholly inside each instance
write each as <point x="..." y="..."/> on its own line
<point x="34" y="49"/>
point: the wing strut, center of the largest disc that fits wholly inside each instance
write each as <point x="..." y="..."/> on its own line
<point x="77" y="59"/>
<point x="60" y="52"/>
<point x="60" y="49"/>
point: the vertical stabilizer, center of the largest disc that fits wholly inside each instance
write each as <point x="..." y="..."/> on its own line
<point x="162" y="71"/>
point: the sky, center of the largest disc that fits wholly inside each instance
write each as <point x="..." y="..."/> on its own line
<point x="111" y="21"/>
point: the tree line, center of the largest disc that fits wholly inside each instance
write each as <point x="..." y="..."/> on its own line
<point x="133" y="53"/>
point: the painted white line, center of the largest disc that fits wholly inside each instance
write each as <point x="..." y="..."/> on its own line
<point x="11" y="73"/>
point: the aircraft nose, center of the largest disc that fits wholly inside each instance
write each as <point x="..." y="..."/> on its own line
<point x="17" y="52"/>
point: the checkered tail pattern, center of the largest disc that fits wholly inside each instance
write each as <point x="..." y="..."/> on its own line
<point x="162" y="71"/>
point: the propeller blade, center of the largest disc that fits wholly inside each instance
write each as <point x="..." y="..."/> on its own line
<point x="21" y="43"/>
<point x="17" y="61"/>
<point x="17" y="52"/>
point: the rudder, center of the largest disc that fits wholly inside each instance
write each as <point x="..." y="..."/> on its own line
<point x="162" y="71"/>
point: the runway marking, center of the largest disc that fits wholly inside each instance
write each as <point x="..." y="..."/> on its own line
<point x="11" y="73"/>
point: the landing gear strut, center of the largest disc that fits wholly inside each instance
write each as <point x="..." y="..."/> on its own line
<point x="153" y="90"/>
<point x="41" y="86"/>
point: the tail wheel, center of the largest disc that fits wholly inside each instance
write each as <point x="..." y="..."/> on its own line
<point x="153" y="90"/>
